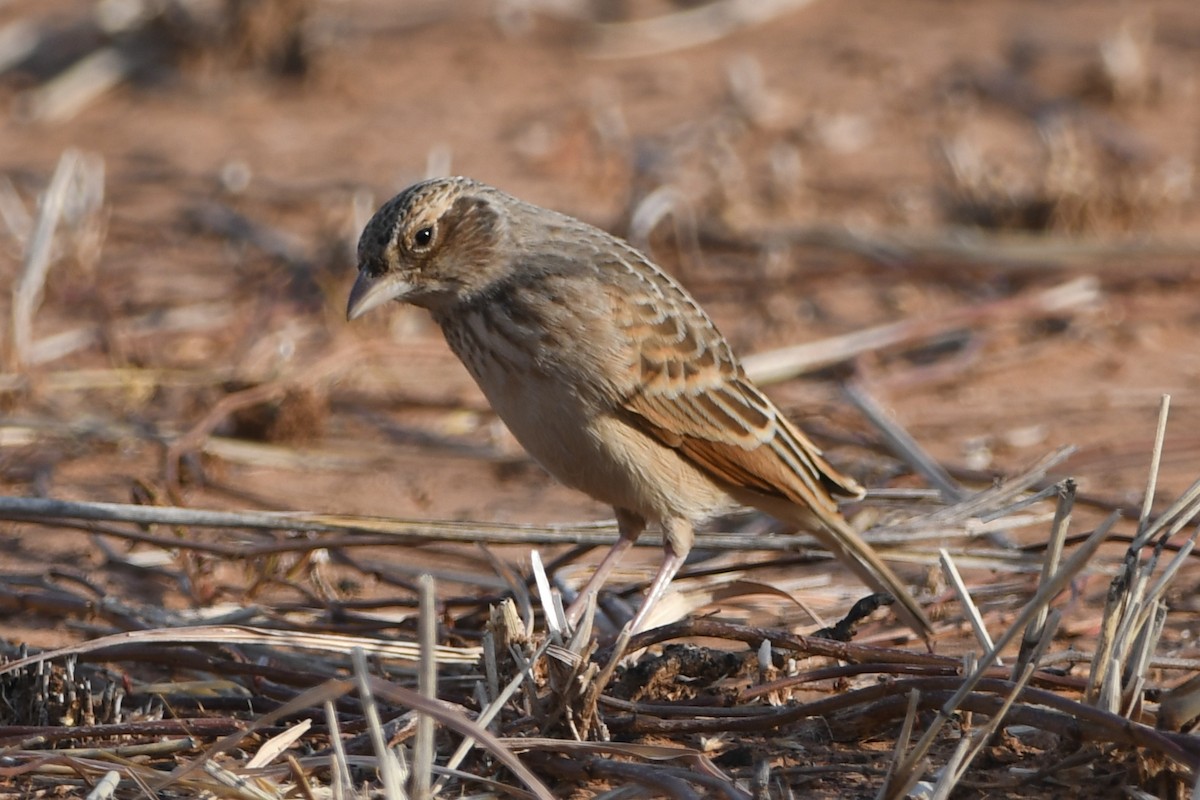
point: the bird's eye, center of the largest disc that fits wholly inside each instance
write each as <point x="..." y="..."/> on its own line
<point x="423" y="237"/>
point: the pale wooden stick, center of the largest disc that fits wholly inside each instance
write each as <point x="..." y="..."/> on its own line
<point x="76" y="87"/>
<point x="425" y="748"/>
<point x="785" y="363"/>
<point x="683" y="29"/>
<point x="27" y="295"/>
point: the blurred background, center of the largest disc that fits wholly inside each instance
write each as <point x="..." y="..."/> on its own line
<point x="983" y="212"/>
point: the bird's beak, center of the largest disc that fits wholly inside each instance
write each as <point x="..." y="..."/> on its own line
<point x="371" y="291"/>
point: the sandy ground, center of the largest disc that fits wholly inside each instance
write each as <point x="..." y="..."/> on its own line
<point x="827" y="166"/>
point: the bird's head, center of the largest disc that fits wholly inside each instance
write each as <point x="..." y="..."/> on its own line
<point x="432" y="245"/>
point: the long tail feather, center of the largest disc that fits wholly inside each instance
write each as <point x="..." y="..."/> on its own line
<point x="836" y="536"/>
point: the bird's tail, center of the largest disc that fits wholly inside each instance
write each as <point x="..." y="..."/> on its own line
<point x="836" y="536"/>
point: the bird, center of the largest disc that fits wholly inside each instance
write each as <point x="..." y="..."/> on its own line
<point x="608" y="373"/>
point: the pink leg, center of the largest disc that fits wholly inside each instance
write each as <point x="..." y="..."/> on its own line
<point x="630" y="527"/>
<point x="672" y="561"/>
<point x="678" y="536"/>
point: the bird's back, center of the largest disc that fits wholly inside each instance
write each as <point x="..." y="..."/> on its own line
<point x="582" y="308"/>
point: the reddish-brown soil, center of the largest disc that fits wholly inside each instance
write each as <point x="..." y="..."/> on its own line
<point x="832" y="118"/>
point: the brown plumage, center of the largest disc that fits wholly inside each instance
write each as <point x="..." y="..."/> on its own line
<point x="607" y="372"/>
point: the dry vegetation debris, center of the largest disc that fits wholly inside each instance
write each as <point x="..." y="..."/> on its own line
<point x="293" y="651"/>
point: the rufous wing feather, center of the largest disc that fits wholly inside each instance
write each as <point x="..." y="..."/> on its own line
<point x="693" y="396"/>
<point x="784" y="476"/>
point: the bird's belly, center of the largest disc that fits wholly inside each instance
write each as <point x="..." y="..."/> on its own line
<point x="596" y="452"/>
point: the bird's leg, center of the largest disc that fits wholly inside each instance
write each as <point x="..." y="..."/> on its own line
<point x="678" y="536"/>
<point x="630" y="527"/>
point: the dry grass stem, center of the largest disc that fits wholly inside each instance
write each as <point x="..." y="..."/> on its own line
<point x="969" y="607"/>
<point x="30" y="288"/>
<point x="1046" y="592"/>
<point x="994" y="234"/>
<point x="76" y="88"/>
<point x="903" y="445"/>
<point x="789" y="362"/>
<point x="1034" y="633"/>
<point x="684" y="29"/>
<point x="427" y="685"/>
<point x="392" y="770"/>
<point x="971" y="248"/>
<point x="1160" y="438"/>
